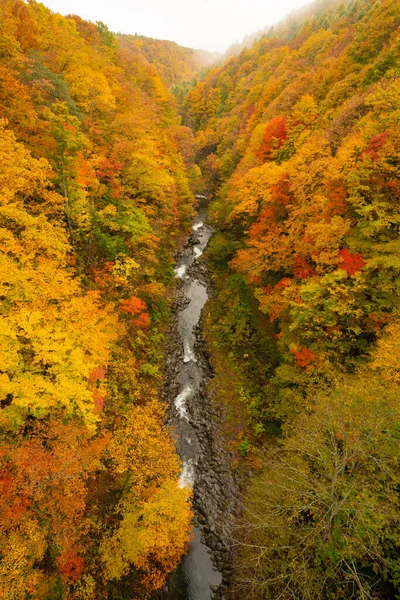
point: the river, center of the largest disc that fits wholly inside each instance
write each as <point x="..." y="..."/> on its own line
<point x="204" y="571"/>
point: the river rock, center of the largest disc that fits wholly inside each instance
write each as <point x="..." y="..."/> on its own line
<point x="215" y="485"/>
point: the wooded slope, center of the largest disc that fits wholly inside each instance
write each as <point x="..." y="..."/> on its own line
<point x="174" y="63"/>
<point x="298" y="138"/>
<point x="93" y="192"/>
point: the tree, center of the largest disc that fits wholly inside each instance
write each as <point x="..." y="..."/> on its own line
<point x="43" y="501"/>
<point x="322" y="519"/>
<point x="154" y="513"/>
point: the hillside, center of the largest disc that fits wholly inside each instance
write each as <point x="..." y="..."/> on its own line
<point x="298" y="141"/>
<point x="174" y="63"/>
<point x="288" y="27"/>
<point x="94" y="193"/>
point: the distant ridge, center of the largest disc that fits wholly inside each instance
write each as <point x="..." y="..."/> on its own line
<point x="287" y="27"/>
<point x="174" y="63"/>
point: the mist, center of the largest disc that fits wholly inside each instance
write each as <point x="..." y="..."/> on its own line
<point x="205" y="24"/>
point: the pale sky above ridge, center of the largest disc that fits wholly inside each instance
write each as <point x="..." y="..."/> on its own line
<point x="204" y="24"/>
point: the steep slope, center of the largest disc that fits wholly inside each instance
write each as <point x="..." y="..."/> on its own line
<point x="174" y="63"/>
<point x="286" y="29"/>
<point x="298" y="141"/>
<point x="93" y="194"/>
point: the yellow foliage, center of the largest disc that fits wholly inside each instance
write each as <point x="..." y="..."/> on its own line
<point x="387" y="353"/>
<point x="100" y="114"/>
<point x="153" y="535"/>
<point x="46" y="352"/>
<point x="156" y="512"/>
<point x="19" y="552"/>
<point x="133" y="449"/>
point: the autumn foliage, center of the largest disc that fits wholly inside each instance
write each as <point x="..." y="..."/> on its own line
<point x="352" y="263"/>
<point x="93" y="192"/>
<point x="274" y="135"/>
<point x="302" y="130"/>
<point x="297" y="141"/>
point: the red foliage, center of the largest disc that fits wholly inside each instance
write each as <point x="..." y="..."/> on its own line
<point x="70" y="565"/>
<point x="351" y="262"/>
<point x="96" y="374"/>
<point x="274" y="136"/>
<point x="137" y="308"/>
<point x="302" y="269"/>
<point x="303" y="357"/>
<point x="98" y="400"/>
<point x="375" y="144"/>
<point x="133" y="306"/>
<point x="261" y="226"/>
<point x="142" y="320"/>
<point x="109" y="168"/>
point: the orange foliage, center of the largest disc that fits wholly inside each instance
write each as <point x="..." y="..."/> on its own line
<point x="143" y="320"/>
<point x="71" y="565"/>
<point x="303" y="357"/>
<point x="97" y="374"/>
<point x="274" y="135"/>
<point x="302" y="269"/>
<point x="336" y="192"/>
<point x="133" y="306"/>
<point x="137" y="308"/>
<point x="283" y="283"/>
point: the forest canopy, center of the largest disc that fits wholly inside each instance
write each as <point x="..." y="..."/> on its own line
<point x="298" y="140"/>
<point x="104" y="140"/>
<point x="94" y="190"/>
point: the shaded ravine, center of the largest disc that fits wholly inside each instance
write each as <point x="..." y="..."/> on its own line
<point x="206" y="464"/>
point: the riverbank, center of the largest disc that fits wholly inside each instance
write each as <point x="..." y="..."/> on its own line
<point x="196" y="425"/>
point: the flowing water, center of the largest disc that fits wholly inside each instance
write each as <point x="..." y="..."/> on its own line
<point x="193" y="578"/>
<point x="204" y="571"/>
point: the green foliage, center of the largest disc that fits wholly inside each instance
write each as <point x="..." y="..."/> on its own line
<point x="238" y="328"/>
<point x="244" y="447"/>
<point x="107" y="37"/>
<point x="52" y="86"/>
<point x="321" y="519"/>
<point x="110" y="244"/>
<point x="221" y="249"/>
<point x="298" y="138"/>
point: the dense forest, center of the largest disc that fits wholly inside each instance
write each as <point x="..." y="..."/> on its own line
<point x="94" y="193"/>
<point x="296" y="140"/>
<point x="299" y="142"/>
<point x="175" y="64"/>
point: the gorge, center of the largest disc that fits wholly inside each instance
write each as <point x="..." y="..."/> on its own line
<point x="199" y="310"/>
<point x="205" y="462"/>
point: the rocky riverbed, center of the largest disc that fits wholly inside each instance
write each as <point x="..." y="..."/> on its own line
<point x="195" y="422"/>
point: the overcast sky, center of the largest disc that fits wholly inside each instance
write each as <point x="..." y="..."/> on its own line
<point x="207" y="24"/>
